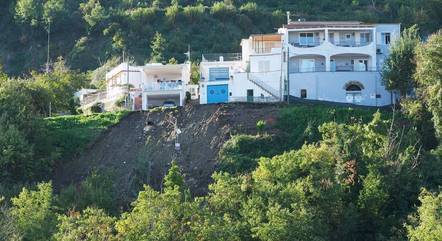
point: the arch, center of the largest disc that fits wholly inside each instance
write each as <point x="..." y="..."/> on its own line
<point x="353" y="86"/>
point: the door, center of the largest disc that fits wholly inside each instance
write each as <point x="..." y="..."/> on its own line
<point x="361" y="65"/>
<point x="217" y="94"/>
<point x="332" y="65"/>
<point x="307" y="65"/>
<point x="250" y="95"/>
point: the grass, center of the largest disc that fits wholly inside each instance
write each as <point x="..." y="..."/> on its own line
<point x="71" y="134"/>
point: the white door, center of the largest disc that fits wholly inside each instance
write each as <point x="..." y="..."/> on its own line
<point x="360" y="65"/>
<point x="307" y="65"/>
<point x="332" y="65"/>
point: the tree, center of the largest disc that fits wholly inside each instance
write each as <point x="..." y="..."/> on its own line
<point x="158" y="46"/>
<point x="8" y="230"/>
<point x="426" y="223"/>
<point x="52" y="9"/>
<point x="174" y="179"/>
<point x="429" y="76"/>
<point x="91" y="224"/>
<point x="29" y="11"/>
<point x="16" y="159"/>
<point x="93" y="13"/>
<point x="33" y="212"/>
<point x="400" y="66"/>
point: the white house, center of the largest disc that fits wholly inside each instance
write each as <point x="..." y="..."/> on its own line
<point x="143" y="87"/>
<point x="329" y="61"/>
<point x="253" y="75"/>
<point x="338" y="61"/>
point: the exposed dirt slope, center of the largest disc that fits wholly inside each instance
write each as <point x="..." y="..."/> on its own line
<point x="141" y="147"/>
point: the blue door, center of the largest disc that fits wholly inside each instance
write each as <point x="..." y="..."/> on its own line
<point x="217" y="94"/>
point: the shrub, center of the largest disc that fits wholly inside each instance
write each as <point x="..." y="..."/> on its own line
<point x="260" y="126"/>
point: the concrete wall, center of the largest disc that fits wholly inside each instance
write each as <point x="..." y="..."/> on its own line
<point x="330" y="86"/>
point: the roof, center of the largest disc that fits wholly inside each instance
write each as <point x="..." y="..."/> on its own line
<point x="266" y="37"/>
<point x="326" y="24"/>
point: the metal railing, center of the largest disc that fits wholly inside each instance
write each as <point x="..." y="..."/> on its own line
<point x="219" y="57"/>
<point x="296" y="69"/>
<point x="350" y="43"/>
<point x="263" y="85"/>
<point x="339" y="68"/>
<point x="307" y="44"/>
<point x="254" y="99"/>
<point x="163" y="86"/>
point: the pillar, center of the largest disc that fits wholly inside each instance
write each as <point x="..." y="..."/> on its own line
<point x="144" y="101"/>
<point x="327" y="63"/>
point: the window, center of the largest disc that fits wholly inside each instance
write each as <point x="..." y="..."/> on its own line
<point x="386" y="38"/>
<point x="331" y="37"/>
<point x="303" y="93"/>
<point x="306" y="38"/>
<point x="264" y="66"/>
<point x="217" y="74"/>
<point x="365" y="37"/>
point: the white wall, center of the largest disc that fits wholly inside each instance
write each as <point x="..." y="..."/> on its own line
<point x="330" y="86"/>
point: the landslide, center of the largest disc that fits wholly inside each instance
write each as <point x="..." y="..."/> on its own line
<point x="140" y="149"/>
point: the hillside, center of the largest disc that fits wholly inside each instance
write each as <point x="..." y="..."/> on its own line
<point x="89" y="33"/>
<point x="140" y="148"/>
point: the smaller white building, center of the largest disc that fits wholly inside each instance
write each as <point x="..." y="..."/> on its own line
<point x="144" y="87"/>
<point x="251" y="76"/>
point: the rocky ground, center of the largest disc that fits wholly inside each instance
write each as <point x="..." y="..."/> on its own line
<point x="141" y="147"/>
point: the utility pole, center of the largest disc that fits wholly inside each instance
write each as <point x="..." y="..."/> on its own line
<point x="49" y="39"/>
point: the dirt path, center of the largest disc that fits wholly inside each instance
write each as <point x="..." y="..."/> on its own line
<point x="141" y="147"/>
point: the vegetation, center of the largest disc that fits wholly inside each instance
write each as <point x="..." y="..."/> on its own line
<point x="90" y="32"/>
<point x="399" y="67"/>
<point x="323" y="173"/>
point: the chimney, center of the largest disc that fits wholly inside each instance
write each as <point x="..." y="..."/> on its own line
<point x="288" y="17"/>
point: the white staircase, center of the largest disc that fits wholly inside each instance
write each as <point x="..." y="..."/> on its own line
<point x="264" y="86"/>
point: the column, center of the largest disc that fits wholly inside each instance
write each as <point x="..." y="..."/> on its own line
<point x="326" y="35"/>
<point x="181" y="98"/>
<point x="144" y="101"/>
<point x="327" y="63"/>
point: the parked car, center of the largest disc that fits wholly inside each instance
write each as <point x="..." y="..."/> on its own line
<point x="169" y="104"/>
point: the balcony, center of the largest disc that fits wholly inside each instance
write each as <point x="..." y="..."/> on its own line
<point x="162" y="86"/>
<point x="352" y="68"/>
<point x="222" y="57"/>
<point x="307" y="44"/>
<point x="345" y="43"/>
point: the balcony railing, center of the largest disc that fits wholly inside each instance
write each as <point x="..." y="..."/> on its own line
<point x="222" y="57"/>
<point x="162" y="86"/>
<point x="350" y="43"/>
<point x="254" y="99"/>
<point x="346" y="68"/>
<point x="307" y="44"/>
<point x="296" y="69"/>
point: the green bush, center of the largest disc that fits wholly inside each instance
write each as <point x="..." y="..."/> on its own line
<point x="260" y="126"/>
<point x="97" y="190"/>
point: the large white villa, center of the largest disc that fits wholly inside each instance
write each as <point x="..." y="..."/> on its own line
<point x="324" y="61"/>
<point x="327" y="61"/>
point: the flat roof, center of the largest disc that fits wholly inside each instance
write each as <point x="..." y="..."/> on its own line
<point x="267" y="37"/>
<point x="325" y="24"/>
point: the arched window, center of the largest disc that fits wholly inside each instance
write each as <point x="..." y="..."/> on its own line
<point x="354" y="92"/>
<point x="353" y="87"/>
